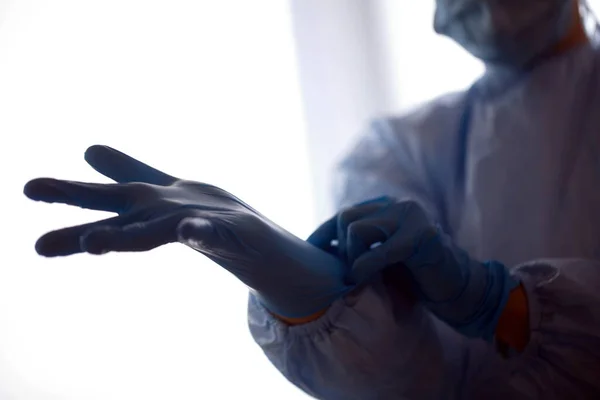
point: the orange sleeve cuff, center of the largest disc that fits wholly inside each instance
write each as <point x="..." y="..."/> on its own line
<point x="300" y="321"/>
<point x="513" y="326"/>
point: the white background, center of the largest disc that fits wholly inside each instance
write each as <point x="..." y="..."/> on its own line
<point x="206" y="90"/>
<point x="191" y="88"/>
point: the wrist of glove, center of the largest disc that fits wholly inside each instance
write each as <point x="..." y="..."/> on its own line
<point x="467" y="294"/>
<point x="384" y="233"/>
<point x="290" y="277"/>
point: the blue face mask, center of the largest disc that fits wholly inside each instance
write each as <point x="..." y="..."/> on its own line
<point x="504" y="32"/>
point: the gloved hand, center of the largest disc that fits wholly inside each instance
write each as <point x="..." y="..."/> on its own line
<point x="291" y="277"/>
<point x="468" y="295"/>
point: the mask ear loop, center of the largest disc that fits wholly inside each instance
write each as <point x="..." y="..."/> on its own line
<point x="590" y="21"/>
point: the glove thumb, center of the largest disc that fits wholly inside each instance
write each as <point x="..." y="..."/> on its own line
<point x="196" y="232"/>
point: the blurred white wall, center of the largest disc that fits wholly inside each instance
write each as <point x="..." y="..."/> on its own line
<point x="360" y="59"/>
<point x="344" y="75"/>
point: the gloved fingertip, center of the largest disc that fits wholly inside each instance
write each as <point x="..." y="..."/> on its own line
<point x="49" y="246"/>
<point x="95" y="151"/>
<point x="40" y="188"/>
<point x="90" y="153"/>
<point x="29" y="189"/>
<point x="41" y="247"/>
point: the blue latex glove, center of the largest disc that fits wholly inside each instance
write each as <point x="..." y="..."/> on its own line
<point x="468" y="295"/>
<point x="291" y="277"/>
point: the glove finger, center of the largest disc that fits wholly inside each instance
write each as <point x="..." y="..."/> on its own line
<point x="370" y="263"/>
<point x="93" y="196"/>
<point x="197" y="232"/>
<point x="136" y="237"/>
<point x="360" y="211"/>
<point x="326" y="236"/>
<point x="123" y="169"/>
<point x="377" y="200"/>
<point x="405" y="218"/>
<point x="66" y="241"/>
<point x="399" y="249"/>
<point x="363" y="236"/>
